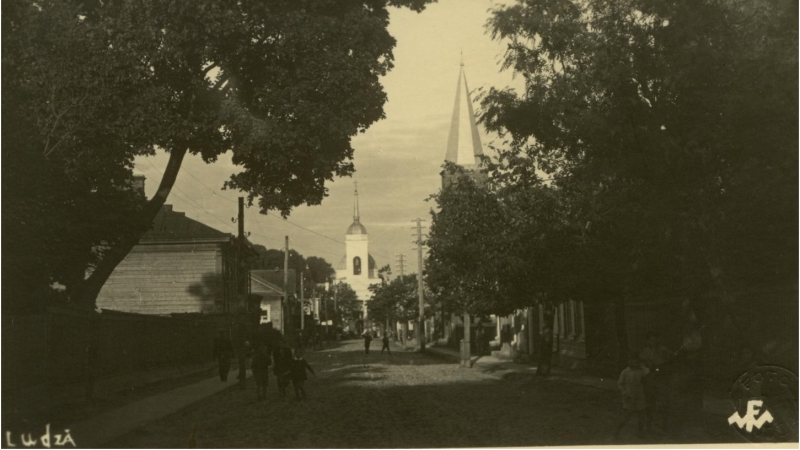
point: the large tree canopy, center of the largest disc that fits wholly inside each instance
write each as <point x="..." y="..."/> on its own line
<point x="674" y="124"/>
<point x="396" y="300"/>
<point x="653" y="152"/>
<point x="89" y="86"/>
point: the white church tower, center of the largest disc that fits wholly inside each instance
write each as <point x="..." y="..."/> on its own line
<point x="357" y="268"/>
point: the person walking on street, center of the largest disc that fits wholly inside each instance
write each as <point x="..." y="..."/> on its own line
<point x="223" y="352"/>
<point x="298" y="373"/>
<point x="633" y="399"/>
<point x="283" y="367"/>
<point x="386" y="344"/>
<point x="367" y="341"/>
<point x="260" y="368"/>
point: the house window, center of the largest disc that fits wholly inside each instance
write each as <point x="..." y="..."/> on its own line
<point x="357" y="266"/>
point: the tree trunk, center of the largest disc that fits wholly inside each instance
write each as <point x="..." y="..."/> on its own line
<point x="546" y="341"/>
<point x="86" y="293"/>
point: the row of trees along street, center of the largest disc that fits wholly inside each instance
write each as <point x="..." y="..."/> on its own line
<point x="90" y="86"/>
<point x="395" y="299"/>
<point x="653" y="153"/>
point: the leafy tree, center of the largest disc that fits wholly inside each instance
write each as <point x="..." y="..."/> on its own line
<point x="320" y="269"/>
<point x="348" y="306"/>
<point x="282" y="84"/>
<point x="497" y="248"/>
<point x="671" y="127"/>
<point x="396" y="300"/>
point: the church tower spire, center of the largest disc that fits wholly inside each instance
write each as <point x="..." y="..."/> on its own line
<point x="464" y="142"/>
<point x="355" y="203"/>
<point x="356" y="227"/>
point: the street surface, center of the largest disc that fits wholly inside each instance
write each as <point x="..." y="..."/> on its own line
<point x="402" y="400"/>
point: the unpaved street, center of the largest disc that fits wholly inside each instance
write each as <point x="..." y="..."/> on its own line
<point x="402" y="400"/>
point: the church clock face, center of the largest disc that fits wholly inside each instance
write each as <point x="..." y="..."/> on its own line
<point x="357" y="266"/>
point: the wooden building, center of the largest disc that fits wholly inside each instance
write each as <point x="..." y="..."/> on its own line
<point x="179" y="266"/>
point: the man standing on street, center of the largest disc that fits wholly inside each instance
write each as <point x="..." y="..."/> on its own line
<point x="385" y="344"/>
<point x="223" y="352"/>
<point x="367" y="341"/>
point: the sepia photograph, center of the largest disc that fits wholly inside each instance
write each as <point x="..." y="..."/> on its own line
<point x="399" y="223"/>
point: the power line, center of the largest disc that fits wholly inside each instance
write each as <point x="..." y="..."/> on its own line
<point x="189" y="199"/>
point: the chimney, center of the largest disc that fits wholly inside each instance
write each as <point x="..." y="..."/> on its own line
<point x="138" y="184"/>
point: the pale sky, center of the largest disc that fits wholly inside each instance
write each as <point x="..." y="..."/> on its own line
<point x="397" y="160"/>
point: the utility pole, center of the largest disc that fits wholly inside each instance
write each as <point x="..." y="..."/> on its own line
<point x="421" y="320"/>
<point x="400" y="262"/>
<point x="243" y="275"/>
<point x="302" y="305"/>
<point x="285" y="299"/>
<point x="325" y="308"/>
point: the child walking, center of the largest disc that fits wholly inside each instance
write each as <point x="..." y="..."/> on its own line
<point x="633" y="398"/>
<point x="260" y="368"/>
<point x="283" y="366"/>
<point x="386" y="343"/>
<point x="299" y="367"/>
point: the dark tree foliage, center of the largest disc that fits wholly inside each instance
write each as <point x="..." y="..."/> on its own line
<point x="89" y="85"/>
<point x="396" y="300"/>
<point x="652" y="153"/>
<point x="341" y="303"/>
<point x="672" y="124"/>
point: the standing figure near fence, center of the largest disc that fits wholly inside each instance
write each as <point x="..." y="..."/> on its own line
<point x="633" y="398"/>
<point x="260" y="367"/>
<point x="283" y="366"/>
<point x="299" y="377"/>
<point x="223" y="352"/>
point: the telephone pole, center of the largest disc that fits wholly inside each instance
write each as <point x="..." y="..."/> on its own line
<point x="302" y="304"/>
<point x="421" y="320"/>
<point x="400" y="263"/>
<point x="285" y="299"/>
<point x="242" y="312"/>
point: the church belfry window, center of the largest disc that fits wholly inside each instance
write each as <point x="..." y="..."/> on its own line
<point x="357" y="266"/>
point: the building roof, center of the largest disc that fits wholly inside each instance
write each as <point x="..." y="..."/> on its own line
<point x="273" y="279"/>
<point x="464" y="142"/>
<point x="356" y="228"/>
<point x="265" y="284"/>
<point x="170" y="225"/>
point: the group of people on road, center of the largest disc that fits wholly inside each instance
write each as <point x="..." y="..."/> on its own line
<point x="290" y="367"/>
<point x="645" y="385"/>
<point x="368" y="340"/>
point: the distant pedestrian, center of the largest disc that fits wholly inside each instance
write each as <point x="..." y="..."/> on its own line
<point x="260" y="368"/>
<point x="479" y="338"/>
<point x="633" y="398"/>
<point x="386" y="344"/>
<point x="299" y="377"/>
<point x="223" y="352"/>
<point x="367" y="341"/>
<point x="282" y="356"/>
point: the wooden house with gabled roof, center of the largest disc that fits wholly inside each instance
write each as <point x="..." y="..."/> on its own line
<point x="180" y="266"/>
